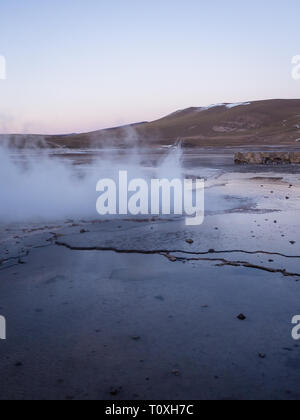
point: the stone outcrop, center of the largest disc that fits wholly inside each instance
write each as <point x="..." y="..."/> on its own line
<point x="267" y="158"/>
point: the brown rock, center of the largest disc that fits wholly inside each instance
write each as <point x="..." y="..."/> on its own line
<point x="267" y="158"/>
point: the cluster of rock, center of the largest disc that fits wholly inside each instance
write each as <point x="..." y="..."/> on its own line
<point x="267" y="158"/>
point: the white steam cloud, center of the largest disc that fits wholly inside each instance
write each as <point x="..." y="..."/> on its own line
<point x="41" y="188"/>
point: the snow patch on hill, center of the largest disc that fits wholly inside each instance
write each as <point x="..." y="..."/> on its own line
<point x="228" y="106"/>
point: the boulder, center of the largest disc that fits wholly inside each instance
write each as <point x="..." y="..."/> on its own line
<point x="267" y="158"/>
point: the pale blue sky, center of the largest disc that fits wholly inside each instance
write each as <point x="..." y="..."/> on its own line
<point x="80" y="65"/>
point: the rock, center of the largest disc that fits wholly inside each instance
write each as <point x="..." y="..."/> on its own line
<point x="261" y="355"/>
<point x="115" y="391"/>
<point x="176" y="372"/>
<point x="189" y="241"/>
<point x="267" y="158"/>
<point x="136" y="338"/>
<point x="241" y="317"/>
<point x="19" y="364"/>
<point x="83" y="231"/>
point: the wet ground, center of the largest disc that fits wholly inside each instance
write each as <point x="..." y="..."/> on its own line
<point x="148" y="309"/>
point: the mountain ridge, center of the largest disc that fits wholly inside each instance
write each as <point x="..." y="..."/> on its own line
<point x="269" y="122"/>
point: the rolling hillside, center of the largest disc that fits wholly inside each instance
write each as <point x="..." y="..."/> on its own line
<point x="272" y="122"/>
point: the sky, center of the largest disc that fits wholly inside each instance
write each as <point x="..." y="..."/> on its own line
<point x="81" y="65"/>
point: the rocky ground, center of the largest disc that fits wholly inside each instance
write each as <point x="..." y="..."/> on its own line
<point x="152" y="309"/>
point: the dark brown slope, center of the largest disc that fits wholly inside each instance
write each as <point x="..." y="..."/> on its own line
<point x="263" y="122"/>
<point x="272" y="122"/>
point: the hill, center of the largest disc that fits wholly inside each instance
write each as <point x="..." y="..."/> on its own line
<point x="260" y="123"/>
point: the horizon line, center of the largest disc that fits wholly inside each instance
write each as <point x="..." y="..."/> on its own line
<point x="144" y="122"/>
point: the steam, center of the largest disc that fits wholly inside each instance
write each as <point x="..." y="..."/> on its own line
<point x="36" y="187"/>
<point x="41" y="189"/>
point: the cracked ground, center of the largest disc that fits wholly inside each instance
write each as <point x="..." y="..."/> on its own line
<point x="148" y="309"/>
